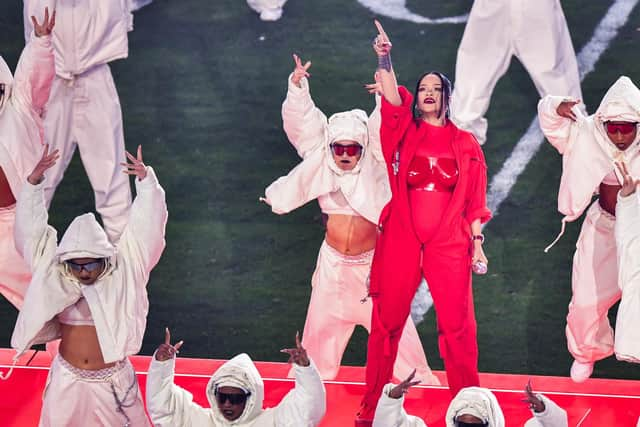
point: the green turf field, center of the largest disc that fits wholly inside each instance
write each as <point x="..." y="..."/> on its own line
<point x="201" y="91"/>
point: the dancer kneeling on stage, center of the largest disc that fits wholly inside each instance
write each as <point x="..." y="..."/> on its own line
<point x="235" y="393"/>
<point x="343" y="169"/>
<point x="472" y="407"/>
<point x="93" y="296"/>
<point x="590" y="147"/>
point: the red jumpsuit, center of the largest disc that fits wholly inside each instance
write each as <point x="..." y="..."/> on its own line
<point x="442" y="254"/>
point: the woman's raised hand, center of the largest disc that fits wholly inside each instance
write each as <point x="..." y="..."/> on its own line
<point x="629" y="184"/>
<point x="165" y="350"/>
<point x="47" y="25"/>
<point x="300" y="70"/>
<point x="381" y="44"/>
<point x="46" y="161"/>
<point x="403" y="388"/>
<point x="137" y="166"/>
<point x="564" y="109"/>
<point x="297" y="355"/>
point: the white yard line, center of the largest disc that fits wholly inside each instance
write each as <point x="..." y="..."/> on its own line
<point x="607" y="29"/>
<point x="584" y="417"/>
<point x="397" y="9"/>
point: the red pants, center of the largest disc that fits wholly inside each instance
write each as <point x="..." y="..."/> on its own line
<point x="449" y="281"/>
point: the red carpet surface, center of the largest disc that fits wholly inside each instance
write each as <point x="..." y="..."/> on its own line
<point x="595" y="403"/>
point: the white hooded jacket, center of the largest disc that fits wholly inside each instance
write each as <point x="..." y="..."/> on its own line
<point x="87" y="32"/>
<point x="477" y="401"/>
<point x="170" y="405"/>
<point x="588" y="154"/>
<point x="118" y="299"/>
<point x="21" y="107"/>
<point x="366" y="187"/>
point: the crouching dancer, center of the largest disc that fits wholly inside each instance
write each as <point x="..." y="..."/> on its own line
<point x="93" y="296"/>
<point x="472" y="407"/>
<point x="235" y="393"/>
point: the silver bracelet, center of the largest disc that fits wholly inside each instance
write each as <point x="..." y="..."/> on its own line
<point x="384" y="62"/>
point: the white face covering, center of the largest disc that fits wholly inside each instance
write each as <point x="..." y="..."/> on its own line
<point x="6" y="78"/>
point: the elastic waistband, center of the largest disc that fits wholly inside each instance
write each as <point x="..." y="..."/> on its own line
<point x="99" y="374"/>
<point x="363" y="258"/>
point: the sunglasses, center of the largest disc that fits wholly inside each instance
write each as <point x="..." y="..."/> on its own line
<point x="463" y="424"/>
<point x="233" y="398"/>
<point x="623" y="127"/>
<point x="88" y="267"/>
<point x="351" y="150"/>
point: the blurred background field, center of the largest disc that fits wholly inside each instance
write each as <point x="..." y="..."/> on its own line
<point x="201" y="91"/>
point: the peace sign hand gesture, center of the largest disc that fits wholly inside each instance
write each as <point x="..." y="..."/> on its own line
<point x="47" y="25"/>
<point x="629" y="184"/>
<point x="300" y="70"/>
<point x="403" y="388"/>
<point x="137" y="166"/>
<point x="167" y="351"/>
<point x="297" y="355"/>
<point x="381" y="44"/>
<point x="46" y="161"/>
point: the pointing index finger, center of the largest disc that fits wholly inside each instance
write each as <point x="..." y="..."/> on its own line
<point x="380" y="29"/>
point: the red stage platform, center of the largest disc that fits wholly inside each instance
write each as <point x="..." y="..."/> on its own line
<point x="595" y="403"/>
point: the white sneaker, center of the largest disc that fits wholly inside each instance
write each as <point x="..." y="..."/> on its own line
<point x="581" y="371"/>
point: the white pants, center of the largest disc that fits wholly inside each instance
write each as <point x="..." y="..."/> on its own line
<point x="535" y="32"/>
<point x="335" y="308"/>
<point x="77" y="397"/>
<point x="85" y="112"/>
<point x="595" y="288"/>
<point x="14" y="271"/>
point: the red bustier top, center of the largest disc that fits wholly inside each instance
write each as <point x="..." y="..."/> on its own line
<point x="433" y="174"/>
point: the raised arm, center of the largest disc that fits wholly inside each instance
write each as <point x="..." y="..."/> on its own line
<point x="375" y="119"/>
<point x="33" y="236"/>
<point x="36" y="68"/>
<point x="304" y="124"/>
<point x="390" y="411"/>
<point x="305" y="405"/>
<point x="168" y="404"/>
<point x="382" y="47"/>
<point x="143" y="236"/>
<point x="557" y="116"/>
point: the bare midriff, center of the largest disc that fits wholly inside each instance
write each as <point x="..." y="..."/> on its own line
<point x="6" y="196"/>
<point x="350" y="234"/>
<point x="608" y="197"/>
<point x="80" y="347"/>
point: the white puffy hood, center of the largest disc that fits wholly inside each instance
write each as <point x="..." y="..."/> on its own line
<point x="6" y="78"/>
<point x="238" y="372"/>
<point x="620" y="103"/>
<point x="365" y="186"/>
<point x="479" y="402"/>
<point x="84" y="238"/>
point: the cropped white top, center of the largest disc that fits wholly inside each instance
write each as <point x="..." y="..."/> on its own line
<point x="77" y="314"/>
<point x="335" y="203"/>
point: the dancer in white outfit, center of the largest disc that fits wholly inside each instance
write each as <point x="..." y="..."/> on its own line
<point x="590" y="147"/>
<point x="343" y="168"/>
<point x="269" y="10"/>
<point x="235" y="393"/>
<point x="93" y="296"/>
<point x="22" y="101"/>
<point x="84" y="109"/>
<point x="472" y="406"/>
<point x="535" y="32"/>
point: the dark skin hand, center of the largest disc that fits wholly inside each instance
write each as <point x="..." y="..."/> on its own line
<point x="166" y="351"/>
<point x="403" y="388"/>
<point x="297" y="355"/>
<point x="535" y="404"/>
